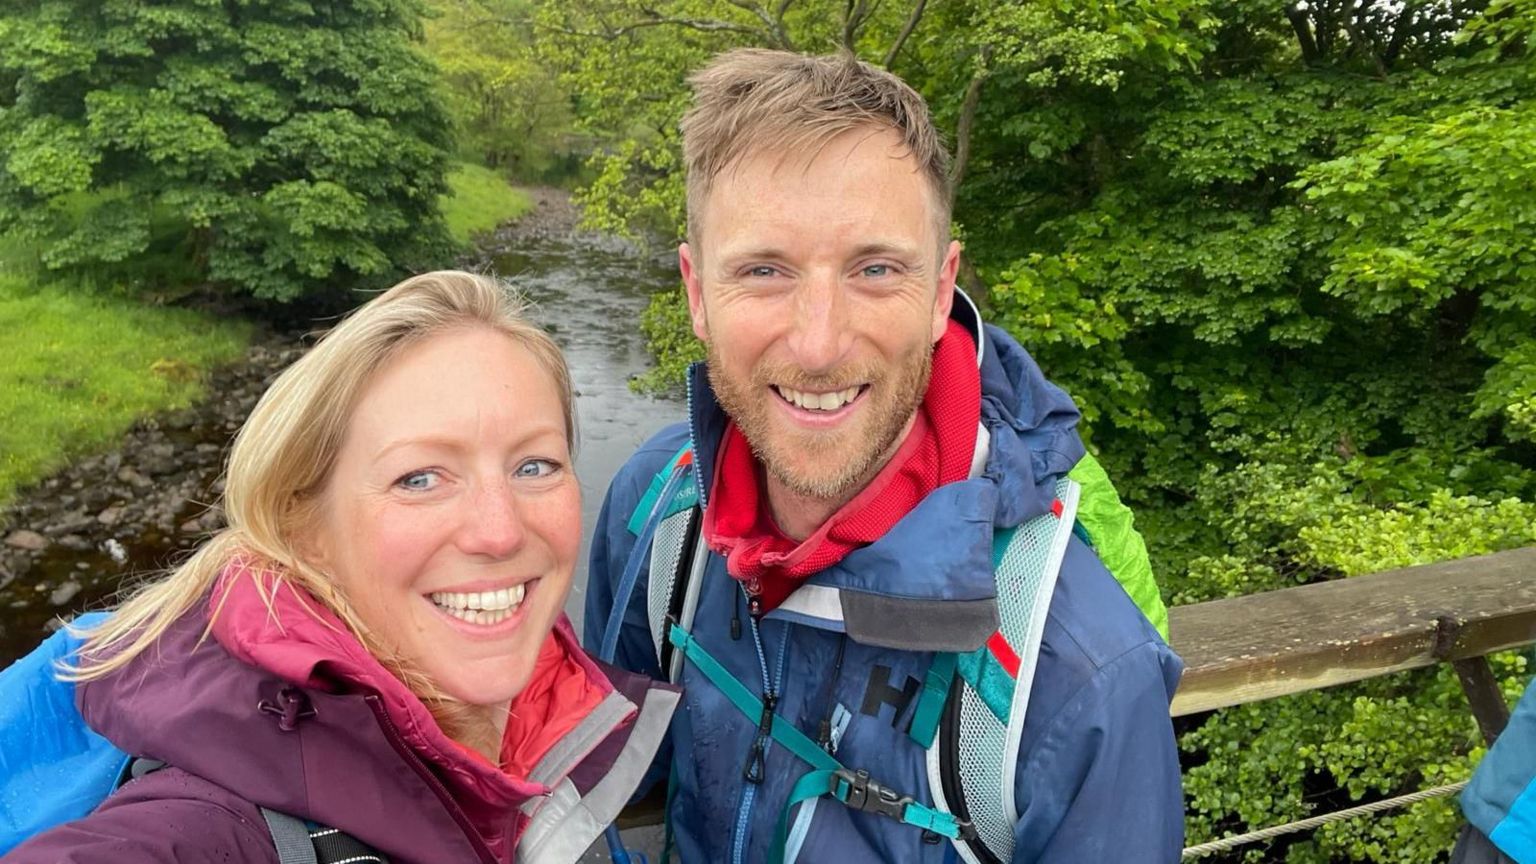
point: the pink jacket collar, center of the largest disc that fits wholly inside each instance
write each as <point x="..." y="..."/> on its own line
<point x="303" y="642"/>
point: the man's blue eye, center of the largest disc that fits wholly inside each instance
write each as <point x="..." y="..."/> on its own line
<point x="762" y="271"/>
<point x="877" y="270"/>
<point x="536" y="468"/>
<point x="418" y="481"/>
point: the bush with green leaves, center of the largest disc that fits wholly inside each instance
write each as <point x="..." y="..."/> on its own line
<point x="276" y="149"/>
<point x="1279" y="253"/>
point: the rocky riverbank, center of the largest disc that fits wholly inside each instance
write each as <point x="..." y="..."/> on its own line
<point x="77" y="536"/>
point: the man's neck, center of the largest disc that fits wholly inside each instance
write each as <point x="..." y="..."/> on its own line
<point x="799" y="515"/>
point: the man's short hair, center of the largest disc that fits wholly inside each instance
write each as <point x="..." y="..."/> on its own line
<point x="754" y="100"/>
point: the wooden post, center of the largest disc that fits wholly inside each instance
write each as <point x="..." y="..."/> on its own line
<point x="1483" y="695"/>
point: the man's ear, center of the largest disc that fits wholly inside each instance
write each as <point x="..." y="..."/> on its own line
<point x="695" y="289"/>
<point x="945" y="298"/>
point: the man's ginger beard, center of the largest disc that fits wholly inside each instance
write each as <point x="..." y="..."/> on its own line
<point x="837" y="467"/>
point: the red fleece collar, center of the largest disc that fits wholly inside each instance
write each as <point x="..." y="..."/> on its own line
<point x="937" y="450"/>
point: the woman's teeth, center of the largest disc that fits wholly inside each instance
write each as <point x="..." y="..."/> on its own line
<point x="819" y="401"/>
<point x="484" y="607"/>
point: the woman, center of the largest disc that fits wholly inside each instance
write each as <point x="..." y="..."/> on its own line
<point x="375" y="643"/>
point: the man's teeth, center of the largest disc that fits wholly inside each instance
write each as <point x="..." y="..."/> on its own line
<point x="484" y="607"/>
<point x="819" y="401"/>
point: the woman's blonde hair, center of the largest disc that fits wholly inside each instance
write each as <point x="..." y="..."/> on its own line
<point x="283" y="456"/>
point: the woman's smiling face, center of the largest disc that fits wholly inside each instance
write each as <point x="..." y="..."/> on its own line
<point x="452" y="517"/>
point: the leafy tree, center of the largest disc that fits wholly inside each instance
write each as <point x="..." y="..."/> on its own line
<point x="276" y="148"/>
<point x="510" y="111"/>
<point x="1278" y="253"/>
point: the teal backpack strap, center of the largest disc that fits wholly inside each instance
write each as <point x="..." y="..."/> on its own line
<point x="989" y="696"/>
<point x="827" y="776"/>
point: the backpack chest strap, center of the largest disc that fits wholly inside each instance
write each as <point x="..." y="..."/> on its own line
<point x="828" y="777"/>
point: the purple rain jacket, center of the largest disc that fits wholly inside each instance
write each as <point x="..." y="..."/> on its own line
<point x="320" y="747"/>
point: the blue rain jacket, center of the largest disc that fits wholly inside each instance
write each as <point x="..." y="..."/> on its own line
<point x="1501" y="799"/>
<point x="1098" y="778"/>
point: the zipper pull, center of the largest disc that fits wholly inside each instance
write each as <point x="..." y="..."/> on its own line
<point x="736" y="619"/>
<point x="754" y="772"/>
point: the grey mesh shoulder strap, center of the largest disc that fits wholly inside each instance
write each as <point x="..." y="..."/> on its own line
<point x="678" y="558"/>
<point x="976" y="781"/>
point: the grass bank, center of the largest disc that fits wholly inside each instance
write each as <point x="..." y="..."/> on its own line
<point x="78" y="369"/>
<point x="478" y="200"/>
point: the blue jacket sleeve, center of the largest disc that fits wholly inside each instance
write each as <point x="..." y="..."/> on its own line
<point x="1103" y="782"/>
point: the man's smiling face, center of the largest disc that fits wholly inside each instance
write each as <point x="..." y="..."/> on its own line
<point x="820" y="288"/>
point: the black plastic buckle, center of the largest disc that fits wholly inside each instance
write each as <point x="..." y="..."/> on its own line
<point x="867" y="795"/>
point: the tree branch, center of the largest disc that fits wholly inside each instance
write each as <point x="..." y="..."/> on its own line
<point x="906" y="30"/>
<point x="1406" y="25"/>
<point x="1303" y="28"/>
<point x="1362" y="39"/>
<point x="610" y="33"/>
<point x="968" y="119"/>
<point x="775" y="24"/>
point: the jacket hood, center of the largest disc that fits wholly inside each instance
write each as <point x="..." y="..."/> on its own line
<point x="288" y="711"/>
<point x="928" y="584"/>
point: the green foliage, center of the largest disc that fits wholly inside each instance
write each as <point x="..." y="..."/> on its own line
<point x="275" y="150"/>
<point x="509" y="110"/>
<point x="668" y="333"/>
<point x="1279" y="254"/>
<point x="480" y="199"/>
<point x="80" y="368"/>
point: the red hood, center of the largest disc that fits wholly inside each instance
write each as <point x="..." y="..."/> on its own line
<point x="301" y="641"/>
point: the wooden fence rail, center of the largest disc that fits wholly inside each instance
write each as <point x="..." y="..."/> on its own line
<point x="1260" y="646"/>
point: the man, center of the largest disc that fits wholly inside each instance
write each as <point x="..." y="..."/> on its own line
<point x="857" y="438"/>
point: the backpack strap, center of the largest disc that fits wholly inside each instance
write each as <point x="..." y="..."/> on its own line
<point x="989" y="688"/>
<point x="668" y="524"/>
<point x="291" y="837"/>
<point x="827" y="776"/>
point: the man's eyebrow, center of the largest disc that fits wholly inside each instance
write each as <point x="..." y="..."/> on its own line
<point x="881" y="248"/>
<point x="734" y="256"/>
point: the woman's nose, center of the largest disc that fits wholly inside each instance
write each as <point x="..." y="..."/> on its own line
<point x="493" y="523"/>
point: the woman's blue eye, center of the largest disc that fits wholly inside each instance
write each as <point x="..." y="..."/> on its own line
<point x="419" y="481"/>
<point x="537" y="468"/>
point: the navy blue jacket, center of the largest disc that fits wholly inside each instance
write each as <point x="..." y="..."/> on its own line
<point x="1098" y="778"/>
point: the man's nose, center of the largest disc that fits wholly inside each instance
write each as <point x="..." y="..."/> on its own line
<point x="493" y="525"/>
<point x="821" y="336"/>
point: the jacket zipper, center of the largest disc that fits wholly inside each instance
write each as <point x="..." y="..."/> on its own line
<point x="392" y="733"/>
<point x="757" y="756"/>
<point x="693" y="442"/>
